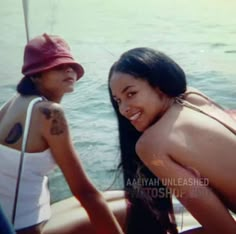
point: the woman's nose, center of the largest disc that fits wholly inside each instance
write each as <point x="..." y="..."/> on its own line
<point x="124" y="109"/>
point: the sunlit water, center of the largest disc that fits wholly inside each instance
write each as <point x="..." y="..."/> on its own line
<point x="199" y="34"/>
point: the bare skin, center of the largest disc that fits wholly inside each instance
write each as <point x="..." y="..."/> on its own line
<point x="69" y="217"/>
<point x="49" y="129"/>
<point x="186" y="146"/>
<point x="179" y="144"/>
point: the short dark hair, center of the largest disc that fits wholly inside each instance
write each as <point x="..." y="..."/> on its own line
<point x="27" y="86"/>
<point x="155" y="67"/>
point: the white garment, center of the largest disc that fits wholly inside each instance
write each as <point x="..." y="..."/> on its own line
<point x="33" y="205"/>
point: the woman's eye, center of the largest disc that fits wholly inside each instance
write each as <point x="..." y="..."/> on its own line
<point x="131" y="94"/>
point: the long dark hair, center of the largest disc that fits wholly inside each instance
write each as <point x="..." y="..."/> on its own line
<point x="147" y="213"/>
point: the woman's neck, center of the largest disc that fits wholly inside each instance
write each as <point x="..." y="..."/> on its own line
<point x="51" y="98"/>
<point x="167" y="103"/>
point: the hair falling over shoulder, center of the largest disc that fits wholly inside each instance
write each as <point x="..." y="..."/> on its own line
<point x="150" y="208"/>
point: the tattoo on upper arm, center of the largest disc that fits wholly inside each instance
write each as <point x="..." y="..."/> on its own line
<point x="46" y="112"/>
<point x="15" y="134"/>
<point x="58" y="122"/>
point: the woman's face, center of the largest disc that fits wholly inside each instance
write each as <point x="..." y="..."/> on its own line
<point x="58" y="80"/>
<point x="139" y="102"/>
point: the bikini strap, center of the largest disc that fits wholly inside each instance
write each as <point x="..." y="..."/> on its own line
<point x="203" y="96"/>
<point x="181" y="101"/>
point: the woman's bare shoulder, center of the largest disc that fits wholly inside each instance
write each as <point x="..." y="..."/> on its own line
<point x="6" y="105"/>
<point x="152" y="140"/>
<point x="49" y="104"/>
<point x="52" y="117"/>
<point x="196" y="97"/>
<point x="48" y="108"/>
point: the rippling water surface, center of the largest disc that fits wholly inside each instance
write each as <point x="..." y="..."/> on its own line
<point x="199" y="34"/>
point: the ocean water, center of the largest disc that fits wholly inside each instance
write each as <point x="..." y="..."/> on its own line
<point x="199" y="34"/>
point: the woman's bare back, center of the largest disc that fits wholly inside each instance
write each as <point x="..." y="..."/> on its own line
<point x="199" y="142"/>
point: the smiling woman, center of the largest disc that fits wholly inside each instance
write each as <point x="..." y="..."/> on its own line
<point x="143" y="98"/>
<point x="50" y="72"/>
<point x="162" y="132"/>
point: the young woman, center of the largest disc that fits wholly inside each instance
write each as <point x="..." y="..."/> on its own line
<point x="49" y="72"/>
<point x="177" y="135"/>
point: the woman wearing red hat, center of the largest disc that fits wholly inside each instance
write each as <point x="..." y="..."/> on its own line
<point x="35" y="135"/>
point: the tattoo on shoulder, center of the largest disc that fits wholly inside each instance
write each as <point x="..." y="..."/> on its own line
<point x="14" y="134"/>
<point x="58" y="122"/>
<point x="46" y="112"/>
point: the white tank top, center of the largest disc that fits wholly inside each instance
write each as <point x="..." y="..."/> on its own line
<point x="33" y="206"/>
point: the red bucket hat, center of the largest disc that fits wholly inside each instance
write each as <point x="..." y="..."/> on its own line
<point x="48" y="51"/>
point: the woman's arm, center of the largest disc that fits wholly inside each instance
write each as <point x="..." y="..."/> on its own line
<point x="56" y="133"/>
<point x="197" y="197"/>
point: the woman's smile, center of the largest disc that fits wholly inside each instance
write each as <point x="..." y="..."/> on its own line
<point x="135" y="117"/>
